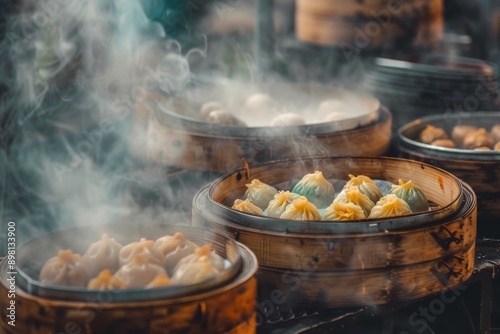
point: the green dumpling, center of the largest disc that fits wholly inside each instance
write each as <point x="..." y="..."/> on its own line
<point x="316" y="189"/>
<point x="412" y="195"/>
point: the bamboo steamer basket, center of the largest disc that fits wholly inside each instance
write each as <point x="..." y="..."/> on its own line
<point x="177" y="139"/>
<point x="226" y="308"/>
<point x="362" y="23"/>
<point x="344" y="264"/>
<point x="480" y="169"/>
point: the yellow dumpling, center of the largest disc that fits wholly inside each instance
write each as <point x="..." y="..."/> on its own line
<point x="260" y="193"/>
<point x="343" y="211"/>
<point x="301" y="209"/>
<point x="365" y="185"/>
<point x="247" y="207"/>
<point x="390" y="206"/>
<point x="355" y="196"/>
<point x="279" y="203"/>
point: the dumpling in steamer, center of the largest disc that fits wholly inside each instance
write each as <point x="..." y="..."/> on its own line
<point x="159" y="281"/>
<point x="103" y="254"/>
<point x="331" y="106"/>
<point x="478" y="138"/>
<point x="365" y="185"/>
<point x="247" y="207"/>
<point x="259" y="101"/>
<point x="460" y="131"/>
<point x="431" y="133"/>
<point x="106" y="281"/>
<point x="183" y="250"/>
<point x="143" y="246"/>
<point x="279" y="203"/>
<point x="495" y="132"/>
<point x="139" y="272"/>
<point x="301" y="209"/>
<point x="412" y="195"/>
<point x="260" y="193"/>
<point x="355" y="196"/>
<point x="316" y="189"/>
<point x="390" y="206"/>
<point x="67" y="268"/>
<point x="198" y="267"/>
<point x="223" y="117"/>
<point x="336" y="116"/>
<point x="210" y="106"/>
<point x="169" y="243"/>
<point x="288" y="119"/>
<point x="448" y="143"/>
<point x="343" y="211"/>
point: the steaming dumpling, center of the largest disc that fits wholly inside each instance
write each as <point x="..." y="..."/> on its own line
<point x="258" y="102"/>
<point x="288" y="119"/>
<point x="431" y="133"/>
<point x="224" y="117"/>
<point x="495" y="132"/>
<point x="497" y="146"/>
<point x="343" y="211"/>
<point x="336" y="116"/>
<point x="355" y="196"/>
<point x="478" y="138"/>
<point x="139" y="271"/>
<point x="390" y="206"/>
<point x="102" y="254"/>
<point x="106" y="281"/>
<point x="279" y="203"/>
<point x="210" y="106"/>
<point x="143" y="246"/>
<point x="460" y="131"/>
<point x="331" y="106"/>
<point x="482" y="148"/>
<point x="365" y="185"/>
<point x="197" y="267"/>
<point x="412" y="195"/>
<point x="67" y="268"/>
<point x="260" y="193"/>
<point x="168" y="243"/>
<point x="247" y="207"/>
<point x="159" y="281"/>
<point x="301" y="209"/>
<point x="316" y="189"/>
<point x="183" y="250"/>
<point x="444" y="143"/>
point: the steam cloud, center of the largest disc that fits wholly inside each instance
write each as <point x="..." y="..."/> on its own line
<point x="75" y="72"/>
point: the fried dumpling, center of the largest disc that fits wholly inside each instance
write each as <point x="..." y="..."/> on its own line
<point x="301" y="209"/>
<point x="390" y="206"/>
<point x="495" y="132"/>
<point x="143" y="246"/>
<point x="196" y="267"/>
<point x="247" y="207"/>
<point x="365" y="185"/>
<point x="431" y="133"/>
<point x="460" y="131"/>
<point x="355" y="196"/>
<point x="106" y="281"/>
<point x="67" y="268"/>
<point x="316" y="189"/>
<point x="478" y="138"/>
<point x="102" y="254"/>
<point x="343" y="211"/>
<point x="260" y="193"/>
<point x="279" y="203"/>
<point x="139" y="271"/>
<point x="159" y="281"/>
<point x="412" y="195"/>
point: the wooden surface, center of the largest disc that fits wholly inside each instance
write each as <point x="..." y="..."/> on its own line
<point x="369" y="23"/>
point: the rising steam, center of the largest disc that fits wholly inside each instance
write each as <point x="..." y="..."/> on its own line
<point x="75" y="72"/>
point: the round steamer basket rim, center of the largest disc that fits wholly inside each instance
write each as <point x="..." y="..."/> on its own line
<point x="473" y="118"/>
<point x="314" y="228"/>
<point x="169" y="117"/>
<point x="53" y="292"/>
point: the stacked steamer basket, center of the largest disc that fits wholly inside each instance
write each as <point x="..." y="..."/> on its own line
<point x="431" y="86"/>
<point x="220" y="304"/>
<point x="179" y="136"/>
<point x="332" y="264"/>
<point x="357" y="23"/>
<point x="479" y="168"/>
